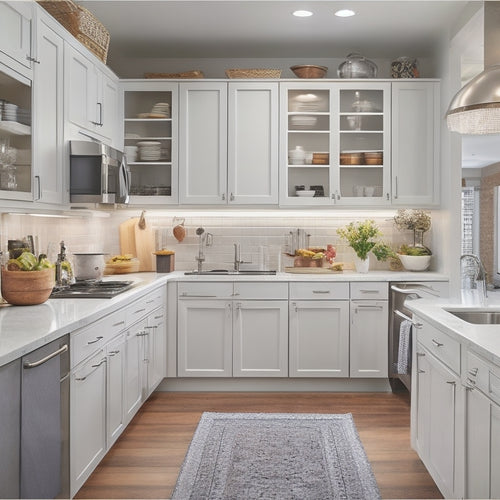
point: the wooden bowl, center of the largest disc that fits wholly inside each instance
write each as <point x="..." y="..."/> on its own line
<point x="122" y="267"/>
<point x="27" y="288"/>
<point x="309" y="71"/>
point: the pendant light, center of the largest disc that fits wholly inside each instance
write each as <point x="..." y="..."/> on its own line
<point x="475" y="109"/>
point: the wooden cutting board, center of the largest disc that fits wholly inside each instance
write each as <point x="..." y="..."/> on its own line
<point x="127" y="236"/>
<point x="145" y="246"/>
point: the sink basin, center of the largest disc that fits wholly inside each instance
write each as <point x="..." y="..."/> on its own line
<point x="478" y="317"/>
<point x="229" y="272"/>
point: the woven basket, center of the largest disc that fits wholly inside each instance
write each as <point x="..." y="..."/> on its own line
<point x="81" y="23"/>
<point x="185" y="74"/>
<point x="253" y="73"/>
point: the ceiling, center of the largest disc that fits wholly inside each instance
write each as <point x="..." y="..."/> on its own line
<point x="266" y="29"/>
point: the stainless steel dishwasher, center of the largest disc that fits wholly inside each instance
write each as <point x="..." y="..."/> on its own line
<point x="45" y="421"/>
<point x="400" y="292"/>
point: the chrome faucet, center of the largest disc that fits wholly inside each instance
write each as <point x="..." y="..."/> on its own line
<point x="203" y="239"/>
<point x="473" y="275"/>
<point x="237" y="257"/>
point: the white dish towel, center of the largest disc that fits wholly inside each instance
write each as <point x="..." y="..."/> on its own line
<point x="404" y="351"/>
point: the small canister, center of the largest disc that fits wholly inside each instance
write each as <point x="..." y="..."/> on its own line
<point x="405" y="67"/>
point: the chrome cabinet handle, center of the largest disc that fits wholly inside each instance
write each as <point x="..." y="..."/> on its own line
<point x="95" y="341"/>
<point x="223" y="196"/>
<point x="396" y="186"/>
<point x="436" y="343"/>
<point x="142" y="334"/>
<point x="39" y="187"/>
<point x="95" y="367"/>
<point x="321" y="291"/>
<point x="473" y="371"/>
<point x="231" y="197"/>
<point x="119" y="323"/>
<point x="34" y="364"/>
<point x="139" y="311"/>
<point x="451" y="383"/>
<point x="404" y="316"/>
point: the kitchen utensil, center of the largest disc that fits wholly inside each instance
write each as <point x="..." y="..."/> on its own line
<point x="88" y="266"/>
<point x="127" y="236"/>
<point x="179" y="231"/>
<point x="357" y="66"/>
<point x="309" y="71"/>
<point x="144" y="244"/>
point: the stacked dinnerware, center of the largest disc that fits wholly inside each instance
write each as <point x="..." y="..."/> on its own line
<point x="9" y="112"/>
<point x="149" y="150"/>
<point x="161" y="108"/>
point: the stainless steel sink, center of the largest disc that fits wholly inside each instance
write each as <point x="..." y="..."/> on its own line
<point x="478" y="317"/>
<point x="229" y="272"/>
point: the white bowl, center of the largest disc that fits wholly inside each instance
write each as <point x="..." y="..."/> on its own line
<point x="415" y="262"/>
<point x="306" y="193"/>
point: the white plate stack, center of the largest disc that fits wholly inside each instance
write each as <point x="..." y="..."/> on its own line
<point x="161" y="108"/>
<point x="149" y="150"/>
<point x="9" y="112"/>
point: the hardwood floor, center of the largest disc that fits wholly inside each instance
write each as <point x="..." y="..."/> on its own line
<point x="146" y="459"/>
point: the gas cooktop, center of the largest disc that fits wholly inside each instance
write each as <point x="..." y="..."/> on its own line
<point x="92" y="290"/>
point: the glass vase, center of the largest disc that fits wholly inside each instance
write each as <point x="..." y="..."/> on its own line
<point x="418" y="240"/>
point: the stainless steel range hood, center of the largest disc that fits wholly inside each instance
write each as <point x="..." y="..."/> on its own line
<point x="475" y="109"/>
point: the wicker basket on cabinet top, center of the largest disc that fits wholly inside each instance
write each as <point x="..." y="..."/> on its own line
<point x="81" y="23"/>
<point x="253" y="73"/>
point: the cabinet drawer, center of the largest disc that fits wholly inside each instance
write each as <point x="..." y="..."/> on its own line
<point x="441" y="345"/>
<point x="261" y="291"/>
<point x="86" y="341"/>
<point x="143" y="306"/>
<point x="318" y="290"/>
<point x="368" y="290"/>
<point x="483" y="375"/>
<point x="205" y="290"/>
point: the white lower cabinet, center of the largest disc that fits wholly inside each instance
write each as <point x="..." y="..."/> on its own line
<point x="319" y="338"/>
<point x="260" y="338"/>
<point x="88" y="418"/>
<point x="115" y="422"/>
<point x="116" y="363"/>
<point x="437" y="398"/>
<point x="133" y="373"/>
<point x="204" y="338"/>
<point x="368" y="340"/>
<point x="482" y="431"/>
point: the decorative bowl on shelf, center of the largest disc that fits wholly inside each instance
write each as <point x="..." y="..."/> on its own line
<point x="309" y="71"/>
<point x="415" y="262"/>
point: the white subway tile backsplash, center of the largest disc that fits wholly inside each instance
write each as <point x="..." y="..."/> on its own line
<point x="252" y="232"/>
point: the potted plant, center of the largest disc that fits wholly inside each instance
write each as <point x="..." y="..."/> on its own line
<point x="416" y="256"/>
<point x="363" y="238"/>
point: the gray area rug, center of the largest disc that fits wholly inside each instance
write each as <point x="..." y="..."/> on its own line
<point x="245" y="456"/>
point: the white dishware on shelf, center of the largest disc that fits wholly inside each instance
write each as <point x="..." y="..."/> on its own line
<point x="369" y="190"/>
<point x="305" y="193"/>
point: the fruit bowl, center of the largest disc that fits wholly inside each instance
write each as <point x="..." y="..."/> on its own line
<point x="27" y="288"/>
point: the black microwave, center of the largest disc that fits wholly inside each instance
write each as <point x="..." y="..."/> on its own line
<point x="98" y="173"/>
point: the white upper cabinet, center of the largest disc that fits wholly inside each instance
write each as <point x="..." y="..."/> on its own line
<point x="253" y="143"/>
<point x="48" y="116"/>
<point x="15" y="35"/>
<point x="91" y="98"/>
<point x="415" y="143"/>
<point x="335" y="143"/>
<point x="203" y="143"/>
<point x="228" y="143"/>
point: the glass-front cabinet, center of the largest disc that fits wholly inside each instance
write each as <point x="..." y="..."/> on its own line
<point x="150" y="135"/>
<point x="336" y="144"/>
<point x="15" y="136"/>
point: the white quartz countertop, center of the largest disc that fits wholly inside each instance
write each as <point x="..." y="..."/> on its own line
<point x="484" y="339"/>
<point x="26" y="328"/>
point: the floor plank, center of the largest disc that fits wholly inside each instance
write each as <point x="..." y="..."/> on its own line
<point x="146" y="459"/>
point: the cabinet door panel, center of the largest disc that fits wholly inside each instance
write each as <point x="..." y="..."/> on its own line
<point x="319" y="339"/>
<point x="495" y="451"/>
<point x="204" y="338"/>
<point x="260" y="331"/>
<point x="10" y="435"/>
<point x="133" y="371"/>
<point x="15" y="32"/>
<point x="253" y="143"/>
<point x="115" y="389"/>
<point x="48" y="90"/>
<point x="415" y="160"/>
<point x="477" y="445"/>
<point x="369" y="338"/>
<point x="203" y="143"/>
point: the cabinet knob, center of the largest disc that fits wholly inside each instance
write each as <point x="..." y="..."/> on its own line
<point x="223" y="196"/>
<point x="231" y="197"/>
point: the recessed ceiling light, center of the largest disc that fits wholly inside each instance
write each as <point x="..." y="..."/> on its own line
<point x="302" y="13"/>
<point x="345" y="13"/>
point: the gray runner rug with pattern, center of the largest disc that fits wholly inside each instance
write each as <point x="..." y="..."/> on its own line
<point x="281" y="456"/>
